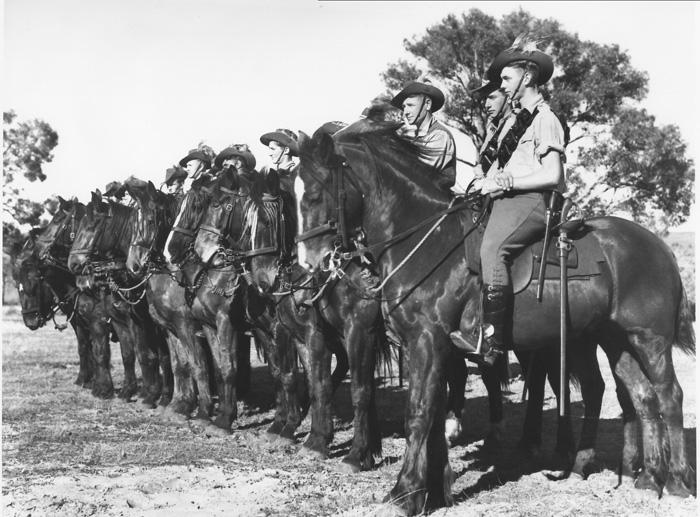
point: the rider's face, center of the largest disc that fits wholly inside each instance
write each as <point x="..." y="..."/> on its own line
<point x="276" y="152"/>
<point x="510" y="80"/>
<point x="193" y="167"/>
<point x="415" y="108"/>
<point x="494" y="103"/>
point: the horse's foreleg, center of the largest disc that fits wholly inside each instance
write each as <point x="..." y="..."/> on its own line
<point x="243" y="369"/>
<point x="227" y="342"/>
<point x="126" y="347"/>
<point x="166" y="377"/>
<point x="585" y="365"/>
<point x="317" y="362"/>
<point x="87" y="361"/>
<point x="426" y="478"/>
<point x="456" y="384"/>
<point x="366" y="438"/>
<point x="535" y="365"/>
<point x="183" y="400"/>
<point x="492" y="378"/>
<point x="102" y="386"/>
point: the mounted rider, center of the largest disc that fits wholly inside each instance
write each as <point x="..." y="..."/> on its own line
<point x="529" y="165"/>
<point x="283" y="146"/>
<point x="116" y="191"/>
<point x="240" y="159"/>
<point x="196" y="164"/>
<point x="175" y="177"/>
<point x="434" y="142"/>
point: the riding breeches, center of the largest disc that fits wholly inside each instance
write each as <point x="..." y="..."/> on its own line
<point x="515" y="223"/>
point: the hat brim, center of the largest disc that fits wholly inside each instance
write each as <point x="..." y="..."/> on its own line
<point x="230" y="153"/>
<point x="197" y="155"/>
<point x="172" y="176"/>
<point x="283" y="139"/>
<point x="542" y="60"/>
<point x="484" y="90"/>
<point x="436" y="96"/>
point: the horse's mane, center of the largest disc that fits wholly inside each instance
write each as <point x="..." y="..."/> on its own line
<point x="386" y="147"/>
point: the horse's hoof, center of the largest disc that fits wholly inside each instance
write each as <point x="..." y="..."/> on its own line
<point x="149" y="403"/>
<point x="274" y="430"/>
<point x="647" y="481"/>
<point x="586" y="463"/>
<point x="169" y="415"/>
<point x="287" y="433"/>
<point x="215" y="430"/>
<point x="308" y="452"/>
<point x="349" y="466"/>
<point x="159" y="410"/>
<point x="453" y="430"/>
<point x="529" y="450"/>
<point x="199" y="425"/>
<point x="103" y="393"/>
<point x="680" y="486"/>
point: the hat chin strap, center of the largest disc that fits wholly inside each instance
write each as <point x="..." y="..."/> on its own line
<point x="514" y="100"/>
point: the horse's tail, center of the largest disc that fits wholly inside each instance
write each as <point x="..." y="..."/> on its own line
<point x="685" y="334"/>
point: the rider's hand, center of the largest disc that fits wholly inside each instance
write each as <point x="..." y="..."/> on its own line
<point x="489" y="186"/>
<point x="504" y="180"/>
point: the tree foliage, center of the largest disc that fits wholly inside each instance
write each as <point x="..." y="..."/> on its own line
<point x="27" y="146"/>
<point x="615" y="147"/>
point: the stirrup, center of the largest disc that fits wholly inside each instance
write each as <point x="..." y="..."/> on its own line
<point x="464" y="345"/>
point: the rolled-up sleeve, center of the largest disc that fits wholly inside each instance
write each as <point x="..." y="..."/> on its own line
<point x="549" y="135"/>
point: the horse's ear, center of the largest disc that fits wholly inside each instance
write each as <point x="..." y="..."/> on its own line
<point x="303" y="141"/>
<point x="62" y="203"/>
<point x="151" y="189"/>
<point x="96" y="196"/>
<point x="326" y="148"/>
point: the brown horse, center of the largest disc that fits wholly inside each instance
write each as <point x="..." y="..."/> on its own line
<point x="189" y="354"/>
<point x="99" y="253"/>
<point x="636" y="311"/>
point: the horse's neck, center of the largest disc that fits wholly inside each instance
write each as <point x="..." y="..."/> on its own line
<point x="60" y="281"/>
<point x="119" y="235"/>
<point x="398" y="202"/>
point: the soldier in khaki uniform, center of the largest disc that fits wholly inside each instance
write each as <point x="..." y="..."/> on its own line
<point x="530" y="164"/>
<point x="435" y="143"/>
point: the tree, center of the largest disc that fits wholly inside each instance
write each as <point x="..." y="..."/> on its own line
<point x="27" y="145"/>
<point x="619" y="160"/>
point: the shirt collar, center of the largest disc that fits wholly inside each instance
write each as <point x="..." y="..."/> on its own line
<point x="425" y="125"/>
<point x="533" y="103"/>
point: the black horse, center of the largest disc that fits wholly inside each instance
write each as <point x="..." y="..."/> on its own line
<point x="98" y="255"/>
<point x="637" y="311"/>
<point x="168" y="307"/>
<point x="44" y="288"/>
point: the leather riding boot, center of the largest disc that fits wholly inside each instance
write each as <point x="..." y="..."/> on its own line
<point x="497" y="299"/>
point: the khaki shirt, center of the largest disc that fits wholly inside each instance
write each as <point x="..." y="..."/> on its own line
<point x="436" y="147"/>
<point x="545" y="134"/>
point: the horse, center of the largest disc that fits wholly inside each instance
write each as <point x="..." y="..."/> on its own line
<point x="214" y="293"/>
<point x="98" y="254"/>
<point x="190" y="356"/>
<point x="637" y="310"/>
<point x="53" y="247"/>
<point x="45" y="288"/>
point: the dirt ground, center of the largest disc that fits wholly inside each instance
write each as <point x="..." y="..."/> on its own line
<point x="67" y="453"/>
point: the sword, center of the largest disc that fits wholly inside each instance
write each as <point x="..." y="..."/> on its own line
<point x="564" y="245"/>
<point x="549" y="215"/>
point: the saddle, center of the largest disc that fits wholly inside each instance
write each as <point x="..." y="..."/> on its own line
<point x="584" y="260"/>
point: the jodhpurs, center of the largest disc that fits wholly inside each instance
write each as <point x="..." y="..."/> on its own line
<point x="515" y="223"/>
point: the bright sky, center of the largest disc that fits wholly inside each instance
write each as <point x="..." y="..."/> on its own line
<point x="131" y="85"/>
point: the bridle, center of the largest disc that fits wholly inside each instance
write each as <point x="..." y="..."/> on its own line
<point x="342" y="253"/>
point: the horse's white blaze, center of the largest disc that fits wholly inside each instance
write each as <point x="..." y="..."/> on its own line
<point x="166" y="253"/>
<point x="301" y="247"/>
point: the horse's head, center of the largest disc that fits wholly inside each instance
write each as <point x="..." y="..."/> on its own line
<point x="90" y="231"/>
<point x="192" y="209"/>
<point x="152" y="224"/>
<point x="221" y="224"/>
<point x="329" y="201"/>
<point x="35" y="295"/>
<point x="57" y="237"/>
